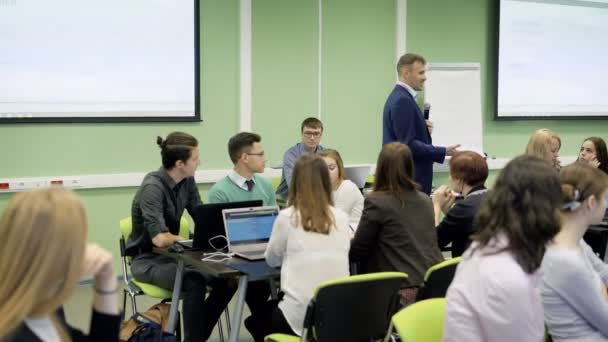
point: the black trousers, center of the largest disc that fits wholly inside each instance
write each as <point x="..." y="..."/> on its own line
<point x="268" y="320"/>
<point x="200" y="314"/>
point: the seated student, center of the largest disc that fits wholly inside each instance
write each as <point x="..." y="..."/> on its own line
<point x="310" y="241"/>
<point x="345" y="194"/>
<point x="545" y="144"/>
<point x="39" y="273"/>
<point x="243" y="183"/>
<point x="156" y="211"/>
<point x="312" y="131"/>
<point x="573" y="287"/>
<point x="494" y="295"/>
<point x="468" y="173"/>
<point x="396" y="231"/>
<point x="593" y="151"/>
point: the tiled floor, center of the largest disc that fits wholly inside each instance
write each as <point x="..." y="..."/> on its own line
<point x="78" y="311"/>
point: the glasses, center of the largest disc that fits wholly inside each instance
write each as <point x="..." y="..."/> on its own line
<point x="312" y="134"/>
<point x="259" y="154"/>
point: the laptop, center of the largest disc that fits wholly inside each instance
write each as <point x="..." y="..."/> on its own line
<point x="208" y="223"/>
<point x="357" y="175"/>
<point x="248" y="230"/>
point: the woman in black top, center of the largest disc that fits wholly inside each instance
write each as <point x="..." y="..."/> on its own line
<point x="468" y="173"/>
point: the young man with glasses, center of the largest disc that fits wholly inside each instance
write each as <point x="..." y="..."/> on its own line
<point x="312" y="131"/>
<point x="243" y="183"/>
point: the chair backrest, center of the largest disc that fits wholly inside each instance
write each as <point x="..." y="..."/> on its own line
<point x="354" y="308"/>
<point x="421" y="321"/>
<point x="437" y="279"/>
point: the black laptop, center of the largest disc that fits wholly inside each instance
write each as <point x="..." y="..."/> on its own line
<point x="209" y="222"/>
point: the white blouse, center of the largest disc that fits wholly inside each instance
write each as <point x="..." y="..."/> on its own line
<point x="307" y="259"/>
<point x="493" y="299"/>
<point x="349" y="199"/>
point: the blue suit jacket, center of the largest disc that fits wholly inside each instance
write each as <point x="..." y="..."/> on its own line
<point x="403" y="121"/>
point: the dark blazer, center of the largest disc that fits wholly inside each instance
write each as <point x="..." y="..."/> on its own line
<point x="404" y="122"/>
<point x="104" y="328"/>
<point x="457" y="225"/>
<point x="392" y="237"/>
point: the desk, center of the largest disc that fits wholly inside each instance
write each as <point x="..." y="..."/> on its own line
<point x="243" y="269"/>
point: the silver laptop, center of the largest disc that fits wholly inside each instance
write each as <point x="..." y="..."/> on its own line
<point x="357" y="175"/>
<point x="248" y="230"/>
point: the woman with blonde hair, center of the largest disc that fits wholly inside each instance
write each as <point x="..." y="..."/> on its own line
<point x="43" y="255"/>
<point x="345" y="194"/>
<point x="545" y="144"/>
<point x="397" y="228"/>
<point x="310" y="240"/>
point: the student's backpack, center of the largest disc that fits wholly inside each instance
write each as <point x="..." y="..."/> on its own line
<point x="149" y="326"/>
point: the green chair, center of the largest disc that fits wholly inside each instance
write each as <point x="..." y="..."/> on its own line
<point x="421" y="321"/>
<point x="132" y="286"/>
<point x="354" y="308"/>
<point x="275" y="182"/>
<point x="437" y="279"/>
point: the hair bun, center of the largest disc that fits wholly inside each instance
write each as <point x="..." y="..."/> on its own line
<point x="568" y="193"/>
<point x="160" y="142"/>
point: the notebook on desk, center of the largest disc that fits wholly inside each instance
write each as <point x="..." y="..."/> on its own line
<point x="248" y="230"/>
<point x="208" y="223"/>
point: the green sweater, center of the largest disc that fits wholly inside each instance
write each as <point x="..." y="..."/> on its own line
<point x="226" y="191"/>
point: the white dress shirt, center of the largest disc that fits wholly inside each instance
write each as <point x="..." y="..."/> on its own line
<point x="239" y="180"/>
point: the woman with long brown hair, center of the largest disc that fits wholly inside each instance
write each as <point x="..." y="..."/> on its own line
<point x="397" y="228"/>
<point x="494" y="295"/>
<point x="43" y="256"/>
<point x="310" y="241"/>
<point x="593" y="152"/>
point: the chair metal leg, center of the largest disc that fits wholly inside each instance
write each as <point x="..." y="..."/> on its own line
<point x="133" y="303"/>
<point x="227" y="314"/>
<point x="124" y="305"/>
<point x="220" y="330"/>
<point x="389" y="334"/>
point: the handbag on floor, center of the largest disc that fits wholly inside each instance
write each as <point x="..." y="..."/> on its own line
<point x="148" y="326"/>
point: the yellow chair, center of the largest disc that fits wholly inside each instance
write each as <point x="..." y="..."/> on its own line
<point x="437" y="279"/>
<point x="132" y="286"/>
<point x="421" y="321"/>
<point x="355" y="308"/>
<point x="275" y="182"/>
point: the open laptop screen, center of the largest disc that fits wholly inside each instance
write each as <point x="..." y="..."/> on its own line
<point x="209" y="222"/>
<point x="249" y="225"/>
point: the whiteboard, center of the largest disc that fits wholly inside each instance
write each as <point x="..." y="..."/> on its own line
<point x="454" y="93"/>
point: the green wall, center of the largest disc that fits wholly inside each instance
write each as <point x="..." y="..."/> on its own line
<point x="357" y="63"/>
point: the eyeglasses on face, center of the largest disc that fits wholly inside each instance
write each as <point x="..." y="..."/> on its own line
<point x="309" y="134"/>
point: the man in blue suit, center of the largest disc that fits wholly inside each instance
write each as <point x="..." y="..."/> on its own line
<point x="404" y="122"/>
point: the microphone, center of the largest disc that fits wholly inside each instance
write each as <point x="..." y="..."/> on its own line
<point x="427" y="110"/>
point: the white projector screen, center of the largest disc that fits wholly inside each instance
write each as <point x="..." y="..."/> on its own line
<point x="99" y="60"/>
<point x="552" y="59"/>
